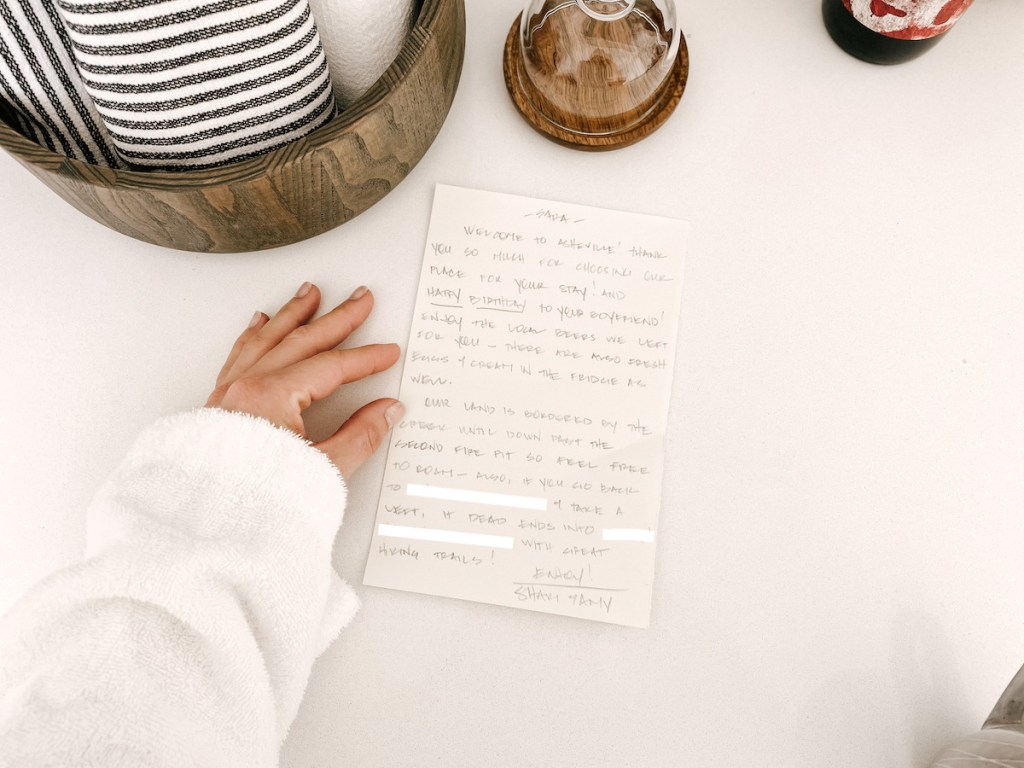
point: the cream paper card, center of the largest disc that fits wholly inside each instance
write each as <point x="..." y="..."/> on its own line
<point x="527" y="471"/>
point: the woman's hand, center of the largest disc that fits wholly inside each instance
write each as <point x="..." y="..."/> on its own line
<point x="281" y="364"/>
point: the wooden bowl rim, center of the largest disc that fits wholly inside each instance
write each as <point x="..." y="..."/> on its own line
<point x="251" y="168"/>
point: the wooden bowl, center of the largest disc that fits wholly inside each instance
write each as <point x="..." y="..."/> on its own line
<point x="294" y="192"/>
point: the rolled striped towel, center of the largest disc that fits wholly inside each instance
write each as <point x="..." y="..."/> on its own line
<point x="186" y="84"/>
<point x="44" y="96"/>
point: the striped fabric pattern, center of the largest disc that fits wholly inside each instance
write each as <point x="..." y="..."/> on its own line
<point x="186" y="84"/>
<point x="44" y="97"/>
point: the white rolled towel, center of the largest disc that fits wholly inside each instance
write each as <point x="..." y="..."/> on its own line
<point x="361" y="38"/>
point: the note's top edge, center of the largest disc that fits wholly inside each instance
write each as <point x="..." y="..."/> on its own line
<point x="458" y="190"/>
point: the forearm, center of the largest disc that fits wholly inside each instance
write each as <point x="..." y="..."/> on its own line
<point x="187" y="635"/>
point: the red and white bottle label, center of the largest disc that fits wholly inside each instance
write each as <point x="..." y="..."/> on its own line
<point x="907" y="19"/>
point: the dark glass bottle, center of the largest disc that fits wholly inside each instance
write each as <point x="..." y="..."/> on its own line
<point x="889" y="32"/>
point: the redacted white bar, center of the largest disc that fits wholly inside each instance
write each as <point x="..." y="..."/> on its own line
<point x="444" y="537"/>
<point x="477" y="497"/>
<point x="627" y="534"/>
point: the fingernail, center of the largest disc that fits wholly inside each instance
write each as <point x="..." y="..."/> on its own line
<point x="255" y="319"/>
<point x="358" y="293"/>
<point x="394" y="414"/>
<point x="304" y="289"/>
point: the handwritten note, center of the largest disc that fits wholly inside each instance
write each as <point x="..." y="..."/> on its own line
<point x="527" y="471"/>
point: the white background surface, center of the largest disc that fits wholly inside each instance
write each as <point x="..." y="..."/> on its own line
<point x="839" y="576"/>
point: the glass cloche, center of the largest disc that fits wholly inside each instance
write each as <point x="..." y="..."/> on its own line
<point x="596" y="74"/>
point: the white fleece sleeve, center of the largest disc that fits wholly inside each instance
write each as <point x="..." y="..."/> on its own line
<point x="187" y="635"/>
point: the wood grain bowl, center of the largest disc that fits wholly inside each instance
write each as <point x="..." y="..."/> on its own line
<point x="295" y="192"/>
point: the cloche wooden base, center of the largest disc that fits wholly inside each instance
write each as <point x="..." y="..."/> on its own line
<point x="598" y="138"/>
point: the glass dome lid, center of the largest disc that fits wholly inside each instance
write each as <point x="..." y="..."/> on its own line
<point x="596" y="74"/>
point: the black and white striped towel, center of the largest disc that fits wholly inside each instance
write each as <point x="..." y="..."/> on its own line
<point x="198" y="83"/>
<point x="40" y="85"/>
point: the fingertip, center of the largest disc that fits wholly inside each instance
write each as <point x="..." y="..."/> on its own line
<point x="392" y="352"/>
<point x="394" y="413"/>
<point x="362" y="434"/>
<point x="305" y="302"/>
<point x="259" y="319"/>
<point x="385" y="354"/>
<point x="363" y="298"/>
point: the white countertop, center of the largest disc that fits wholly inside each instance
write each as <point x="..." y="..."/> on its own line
<point x="839" y="558"/>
